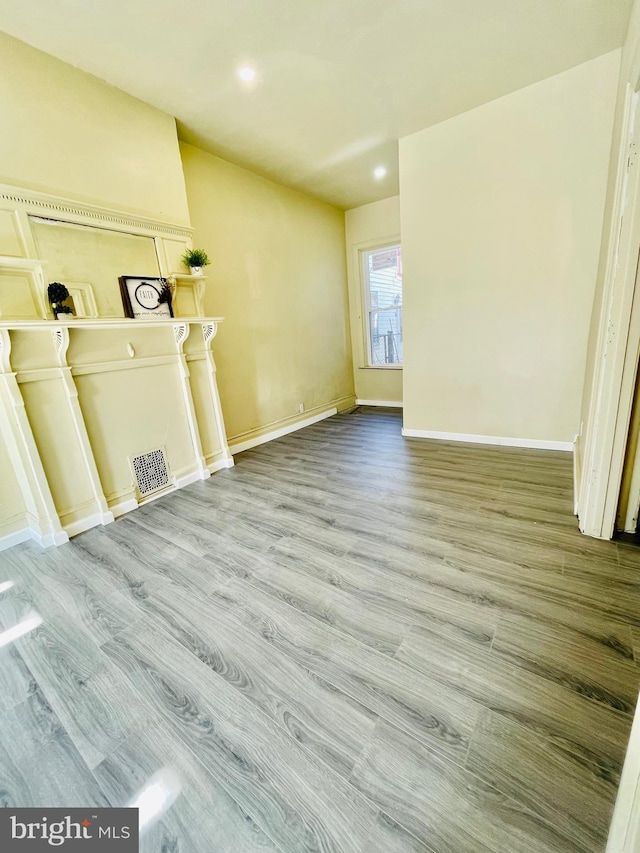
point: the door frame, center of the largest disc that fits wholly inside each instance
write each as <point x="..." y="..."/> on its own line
<point x="618" y="342"/>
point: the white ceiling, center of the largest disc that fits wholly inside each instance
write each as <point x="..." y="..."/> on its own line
<point x="340" y="81"/>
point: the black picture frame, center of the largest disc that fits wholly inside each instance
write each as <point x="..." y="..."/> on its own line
<point x="138" y="294"/>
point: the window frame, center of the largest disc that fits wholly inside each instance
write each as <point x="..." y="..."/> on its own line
<point x="365" y="290"/>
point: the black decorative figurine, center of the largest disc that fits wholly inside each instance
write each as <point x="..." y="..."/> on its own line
<point x="57" y="294"/>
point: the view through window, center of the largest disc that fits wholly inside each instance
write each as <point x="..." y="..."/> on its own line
<point x="382" y="271"/>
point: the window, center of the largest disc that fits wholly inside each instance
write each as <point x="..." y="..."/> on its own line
<point x="382" y="277"/>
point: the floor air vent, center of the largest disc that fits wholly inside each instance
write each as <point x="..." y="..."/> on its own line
<point x="151" y="472"/>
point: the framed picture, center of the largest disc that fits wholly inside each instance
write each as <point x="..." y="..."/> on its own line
<point x="140" y="297"/>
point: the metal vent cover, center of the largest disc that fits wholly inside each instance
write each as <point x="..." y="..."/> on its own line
<point x="151" y="472"/>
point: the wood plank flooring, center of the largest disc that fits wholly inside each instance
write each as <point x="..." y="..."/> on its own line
<point x="349" y="643"/>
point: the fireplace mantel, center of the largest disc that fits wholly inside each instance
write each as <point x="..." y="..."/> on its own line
<point x="81" y="399"/>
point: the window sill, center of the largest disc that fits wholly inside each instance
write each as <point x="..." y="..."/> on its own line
<point x="381" y="367"/>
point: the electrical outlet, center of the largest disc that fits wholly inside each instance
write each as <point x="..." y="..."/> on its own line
<point x="301" y="408"/>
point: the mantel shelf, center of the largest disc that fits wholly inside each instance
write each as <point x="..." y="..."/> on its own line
<point x="106" y="323"/>
<point x="187" y="276"/>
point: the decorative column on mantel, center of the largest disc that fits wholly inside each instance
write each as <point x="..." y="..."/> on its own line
<point x="181" y="332"/>
<point x="41" y="516"/>
<point x="61" y="342"/>
<point x="209" y="331"/>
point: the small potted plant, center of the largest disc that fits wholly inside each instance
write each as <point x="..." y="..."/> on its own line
<point x="57" y="294"/>
<point x="195" y="259"/>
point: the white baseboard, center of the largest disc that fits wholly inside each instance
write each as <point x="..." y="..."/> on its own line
<point x="212" y="467"/>
<point x="28" y="533"/>
<point x="130" y="504"/>
<point x="115" y="511"/>
<point x="15" y="538"/>
<point x="219" y="464"/>
<point x="192" y="477"/>
<point x="536" y="443"/>
<point x="87" y="522"/>
<point x="94" y="520"/>
<point x="254" y="441"/>
<point x="123" y="507"/>
<point x="389" y="404"/>
<point x="60" y="537"/>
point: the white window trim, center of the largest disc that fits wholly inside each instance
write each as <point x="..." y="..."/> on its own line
<point x="396" y="366"/>
<point x="365" y="295"/>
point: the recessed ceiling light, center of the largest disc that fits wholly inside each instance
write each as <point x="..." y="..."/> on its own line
<point x="379" y="172"/>
<point x="247" y="74"/>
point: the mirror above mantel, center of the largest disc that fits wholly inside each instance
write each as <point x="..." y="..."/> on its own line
<point x="44" y="239"/>
<point x="89" y="261"/>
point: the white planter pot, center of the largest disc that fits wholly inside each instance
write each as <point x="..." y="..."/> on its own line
<point x="196" y="270"/>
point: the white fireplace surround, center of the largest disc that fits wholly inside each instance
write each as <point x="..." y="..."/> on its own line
<point x="66" y="373"/>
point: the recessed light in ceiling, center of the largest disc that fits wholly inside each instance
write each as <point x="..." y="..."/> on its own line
<point x="379" y="172"/>
<point x="247" y="74"/>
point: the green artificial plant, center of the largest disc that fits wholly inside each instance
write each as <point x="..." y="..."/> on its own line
<point x="195" y="258"/>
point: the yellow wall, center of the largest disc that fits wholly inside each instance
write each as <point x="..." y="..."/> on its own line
<point x="279" y="273"/>
<point x="278" y="277"/>
<point x="501" y="212"/>
<point x="69" y="134"/>
<point x="366" y="228"/>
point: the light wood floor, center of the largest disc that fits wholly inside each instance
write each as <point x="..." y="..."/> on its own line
<point x="350" y="642"/>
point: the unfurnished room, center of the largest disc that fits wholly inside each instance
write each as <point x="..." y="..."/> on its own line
<point x="320" y="426"/>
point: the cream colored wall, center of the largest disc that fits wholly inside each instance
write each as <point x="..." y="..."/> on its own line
<point x="501" y="212"/>
<point x="278" y="277"/>
<point x="67" y="133"/>
<point x="367" y="227"/>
